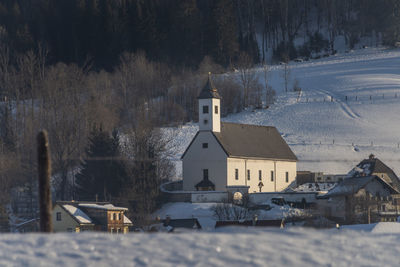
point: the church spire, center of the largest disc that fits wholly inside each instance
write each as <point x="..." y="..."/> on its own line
<point x="209" y="91"/>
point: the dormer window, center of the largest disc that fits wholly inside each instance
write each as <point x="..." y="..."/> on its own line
<point x="205" y="109"/>
<point x="216" y="109"/>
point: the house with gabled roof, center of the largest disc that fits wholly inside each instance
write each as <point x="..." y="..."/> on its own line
<point x="228" y="155"/>
<point x="374" y="166"/>
<point x="355" y="198"/>
<point x="76" y="216"/>
<point x="69" y="218"/>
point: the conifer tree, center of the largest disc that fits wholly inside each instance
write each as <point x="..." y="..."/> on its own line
<point x="102" y="175"/>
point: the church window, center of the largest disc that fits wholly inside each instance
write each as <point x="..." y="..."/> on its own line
<point x="248" y="175"/>
<point x="216" y="109"/>
<point x="205" y="145"/>
<point x="259" y="175"/>
<point x="205" y="174"/>
<point x="272" y="176"/>
<point x="236" y="174"/>
<point x="205" y="109"/>
<point x="287" y="177"/>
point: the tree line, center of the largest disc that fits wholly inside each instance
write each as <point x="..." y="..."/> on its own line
<point x="104" y="127"/>
<point x="182" y="33"/>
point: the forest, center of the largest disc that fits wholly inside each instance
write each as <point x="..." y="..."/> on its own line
<point x="102" y="77"/>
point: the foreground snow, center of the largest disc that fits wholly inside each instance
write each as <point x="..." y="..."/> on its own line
<point x="228" y="247"/>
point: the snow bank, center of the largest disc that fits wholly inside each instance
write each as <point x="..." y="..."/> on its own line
<point x="376" y="228"/>
<point x="228" y="247"/>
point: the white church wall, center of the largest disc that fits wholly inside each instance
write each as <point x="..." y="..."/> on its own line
<point x="279" y="169"/>
<point x="198" y="158"/>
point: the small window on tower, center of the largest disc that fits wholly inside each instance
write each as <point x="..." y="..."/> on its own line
<point x="205" y="145"/>
<point x="216" y="109"/>
<point x="205" y="109"/>
<point x="236" y="174"/>
<point x="259" y="175"/>
<point x="205" y="121"/>
<point x="248" y="175"/>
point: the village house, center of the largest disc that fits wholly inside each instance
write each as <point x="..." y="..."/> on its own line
<point x="227" y="155"/>
<point x="356" y="200"/>
<point x="89" y="216"/>
<point x="374" y="166"/>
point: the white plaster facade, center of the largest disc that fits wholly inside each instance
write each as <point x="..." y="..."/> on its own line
<point x="210" y="121"/>
<point x="198" y="158"/>
<point x="206" y="153"/>
<point x="222" y="169"/>
<point x="272" y="173"/>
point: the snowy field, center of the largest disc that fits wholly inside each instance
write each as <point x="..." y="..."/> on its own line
<point x="371" y="245"/>
<point x="331" y="135"/>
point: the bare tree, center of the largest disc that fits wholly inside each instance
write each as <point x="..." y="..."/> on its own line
<point x="247" y="77"/>
<point x="286" y="72"/>
<point x="148" y="164"/>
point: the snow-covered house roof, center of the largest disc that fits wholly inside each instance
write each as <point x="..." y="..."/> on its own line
<point x="314" y="187"/>
<point x="372" y="166"/>
<point x="101" y="206"/>
<point x="77" y="214"/>
<point x="127" y="221"/>
<point x="352" y="185"/>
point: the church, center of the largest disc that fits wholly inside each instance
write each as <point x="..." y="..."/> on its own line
<point x="227" y="155"/>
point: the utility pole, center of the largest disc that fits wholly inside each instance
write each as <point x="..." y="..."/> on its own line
<point x="44" y="170"/>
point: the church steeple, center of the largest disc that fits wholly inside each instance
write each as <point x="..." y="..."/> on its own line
<point x="209" y="108"/>
<point x="209" y="91"/>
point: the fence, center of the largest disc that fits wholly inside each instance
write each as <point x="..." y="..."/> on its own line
<point x="363" y="98"/>
<point x="335" y="142"/>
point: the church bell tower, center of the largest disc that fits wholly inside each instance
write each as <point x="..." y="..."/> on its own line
<point x="209" y="108"/>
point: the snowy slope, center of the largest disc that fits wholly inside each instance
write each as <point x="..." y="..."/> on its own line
<point x="331" y="136"/>
<point x="228" y="247"/>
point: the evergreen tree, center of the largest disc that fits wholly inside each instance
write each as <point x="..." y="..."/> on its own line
<point x="103" y="174"/>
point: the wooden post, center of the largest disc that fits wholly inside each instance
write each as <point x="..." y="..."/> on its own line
<point x="44" y="170"/>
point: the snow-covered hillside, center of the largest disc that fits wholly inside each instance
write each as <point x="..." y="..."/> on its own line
<point x="327" y="132"/>
<point x="376" y="245"/>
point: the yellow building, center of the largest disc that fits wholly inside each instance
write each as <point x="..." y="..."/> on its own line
<point x="89" y="216"/>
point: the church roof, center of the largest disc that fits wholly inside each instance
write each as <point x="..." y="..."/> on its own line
<point x="252" y="141"/>
<point x="209" y="91"/>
